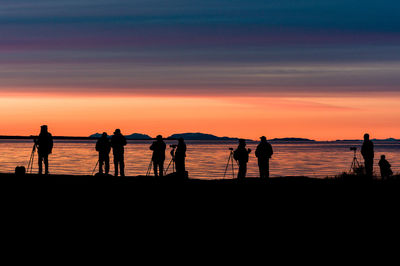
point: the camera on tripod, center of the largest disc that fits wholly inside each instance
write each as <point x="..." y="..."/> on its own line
<point x="353" y="148"/>
<point x="231" y="149"/>
<point x="173" y="146"/>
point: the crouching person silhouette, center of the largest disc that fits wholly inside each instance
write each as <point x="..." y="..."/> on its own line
<point x="263" y="153"/>
<point x="118" y="142"/>
<point x="158" y="147"/>
<point x="103" y="146"/>
<point x="44" y="145"/>
<point x="385" y="166"/>
<point x="241" y="155"/>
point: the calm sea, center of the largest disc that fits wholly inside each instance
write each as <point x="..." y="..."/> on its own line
<point x="204" y="159"/>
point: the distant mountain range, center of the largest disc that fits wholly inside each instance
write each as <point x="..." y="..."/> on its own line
<point x="204" y="136"/>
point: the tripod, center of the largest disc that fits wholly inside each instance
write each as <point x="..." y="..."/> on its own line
<point x="171" y="162"/>
<point x="230" y="162"/>
<point x="354" y="164"/>
<point x="149" y="168"/>
<point x="95" y="167"/>
<point x="31" y="159"/>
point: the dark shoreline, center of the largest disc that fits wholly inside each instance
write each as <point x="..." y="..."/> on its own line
<point x="173" y="180"/>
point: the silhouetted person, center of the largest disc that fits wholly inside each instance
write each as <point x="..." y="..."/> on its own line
<point x="384" y="166"/>
<point x="180" y="155"/>
<point x="118" y="142"/>
<point x="45" y="147"/>
<point x="103" y="146"/>
<point x="241" y="154"/>
<point x="367" y="151"/>
<point x="263" y="153"/>
<point x="158" y="147"/>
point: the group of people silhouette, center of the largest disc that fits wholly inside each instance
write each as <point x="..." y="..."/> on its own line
<point x="264" y="152"/>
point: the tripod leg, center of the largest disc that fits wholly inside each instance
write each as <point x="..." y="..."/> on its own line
<point x="233" y="169"/>
<point x="165" y="172"/>
<point x="227" y="165"/>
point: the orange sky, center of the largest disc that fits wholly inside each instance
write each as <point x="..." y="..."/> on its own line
<point x="320" y="118"/>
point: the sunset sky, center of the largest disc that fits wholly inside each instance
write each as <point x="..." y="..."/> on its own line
<point x="282" y="68"/>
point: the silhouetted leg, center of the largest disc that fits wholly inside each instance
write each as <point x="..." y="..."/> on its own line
<point x="107" y="164"/>
<point x="261" y="168"/>
<point x="178" y="165"/>
<point x="122" y="165"/>
<point x="101" y="162"/>
<point x="40" y="158"/>
<point x="155" y="168"/>
<point x="267" y="169"/>
<point x="161" y="165"/>
<point x="46" y="164"/>
<point x="369" y="167"/>
<point x="116" y="165"/>
<point x="242" y="171"/>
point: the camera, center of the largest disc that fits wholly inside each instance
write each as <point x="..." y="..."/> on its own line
<point x="353" y="148"/>
<point x="231" y="149"/>
<point x="173" y="146"/>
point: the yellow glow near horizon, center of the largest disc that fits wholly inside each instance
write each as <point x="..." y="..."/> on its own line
<point x="321" y="118"/>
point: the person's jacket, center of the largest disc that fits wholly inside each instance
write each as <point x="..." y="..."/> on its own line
<point x="241" y="155"/>
<point x="118" y="142"/>
<point x="158" y="148"/>
<point x="45" y="143"/>
<point x="367" y="149"/>
<point x="180" y="151"/>
<point x="103" y="146"/>
<point x="264" y="151"/>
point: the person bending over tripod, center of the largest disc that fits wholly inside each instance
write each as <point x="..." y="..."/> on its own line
<point x="103" y="146"/>
<point x="118" y="142"/>
<point x="180" y="155"/>
<point x="44" y="145"/>
<point x="241" y="154"/>
<point x="158" y="147"/>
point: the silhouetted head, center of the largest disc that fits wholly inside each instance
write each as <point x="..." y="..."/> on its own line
<point x="117" y="131"/>
<point x="263" y="139"/>
<point x="43" y="129"/>
<point x="383" y="157"/>
<point x="104" y="135"/>
<point x="242" y="142"/>
<point x="366" y="136"/>
<point x="159" y="138"/>
<point x="181" y="140"/>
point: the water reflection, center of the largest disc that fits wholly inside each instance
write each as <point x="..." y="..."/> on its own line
<point x="204" y="159"/>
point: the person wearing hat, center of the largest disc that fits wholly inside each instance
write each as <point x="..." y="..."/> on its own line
<point x="44" y="145"/>
<point x="180" y="156"/>
<point x="241" y="155"/>
<point x="367" y="151"/>
<point x="118" y="142"/>
<point x="158" y="147"/>
<point x="263" y="153"/>
<point x="103" y="146"/>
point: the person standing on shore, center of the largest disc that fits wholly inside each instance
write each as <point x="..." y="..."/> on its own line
<point x="263" y="153"/>
<point x="118" y="142"/>
<point x="241" y="155"/>
<point x="158" y="147"/>
<point x="103" y="146"/>
<point x="44" y="145"/>
<point x="367" y="151"/>
<point x="180" y="155"/>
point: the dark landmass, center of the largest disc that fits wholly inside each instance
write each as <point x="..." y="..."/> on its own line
<point x="174" y="180"/>
<point x="293" y="139"/>
<point x="134" y="136"/>
<point x="201" y="136"/>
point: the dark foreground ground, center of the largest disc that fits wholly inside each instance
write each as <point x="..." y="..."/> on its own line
<point x="139" y="180"/>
